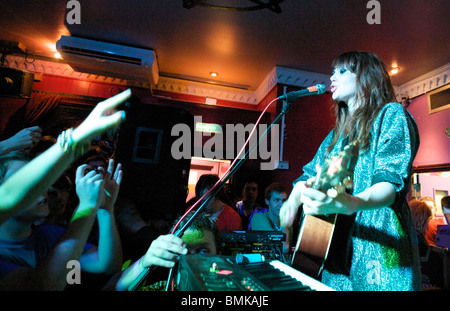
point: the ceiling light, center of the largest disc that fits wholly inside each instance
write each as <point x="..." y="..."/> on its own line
<point x="57" y="55"/>
<point x="394" y="70"/>
<point x="213" y="74"/>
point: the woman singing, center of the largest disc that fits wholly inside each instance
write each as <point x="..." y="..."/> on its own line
<point x="380" y="250"/>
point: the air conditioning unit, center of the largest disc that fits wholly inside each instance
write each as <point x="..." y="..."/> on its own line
<point x="109" y="59"/>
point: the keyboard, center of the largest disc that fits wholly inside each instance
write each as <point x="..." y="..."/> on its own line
<point x="201" y="272"/>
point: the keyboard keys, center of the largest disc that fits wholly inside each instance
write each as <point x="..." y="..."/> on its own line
<point x="274" y="278"/>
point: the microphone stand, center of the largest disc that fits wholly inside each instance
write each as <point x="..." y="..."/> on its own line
<point x="219" y="186"/>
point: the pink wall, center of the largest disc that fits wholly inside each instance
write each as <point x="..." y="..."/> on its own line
<point x="431" y="182"/>
<point x="434" y="144"/>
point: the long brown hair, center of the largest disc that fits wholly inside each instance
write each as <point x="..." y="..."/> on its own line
<point x="421" y="214"/>
<point x="373" y="91"/>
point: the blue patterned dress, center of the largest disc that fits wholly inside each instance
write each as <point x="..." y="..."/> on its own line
<point x="381" y="249"/>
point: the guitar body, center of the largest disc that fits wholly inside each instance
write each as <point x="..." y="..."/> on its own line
<point x="316" y="231"/>
<point x="313" y="243"/>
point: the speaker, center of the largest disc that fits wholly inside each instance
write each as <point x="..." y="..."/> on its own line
<point x="155" y="181"/>
<point x="15" y="83"/>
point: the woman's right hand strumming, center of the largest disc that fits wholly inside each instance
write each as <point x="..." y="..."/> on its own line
<point x="290" y="207"/>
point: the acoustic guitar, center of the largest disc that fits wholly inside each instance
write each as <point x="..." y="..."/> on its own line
<point x="316" y="232"/>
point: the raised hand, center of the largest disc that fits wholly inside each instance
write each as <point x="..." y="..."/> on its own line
<point x="103" y="117"/>
<point x="89" y="188"/>
<point x="24" y="139"/>
<point x="112" y="184"/>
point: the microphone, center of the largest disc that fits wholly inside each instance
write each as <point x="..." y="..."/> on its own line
<point x="312" y="90"/>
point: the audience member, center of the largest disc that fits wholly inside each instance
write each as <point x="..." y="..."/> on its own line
<point x="36" y="257"/>
<point x="275" y="195"/>
<point x="27" y="184"/>
<point x="248" y="206"/>
<point x="201" y="237"/>
<point x="58" y="199"/>
<point x="58" y="193"/>
<point x="225" y="217"/>
<point x="431" y="204"/>
<point x="426" y="227"/>
<point x="421" y="214"/>
<point x="434" y="222"/>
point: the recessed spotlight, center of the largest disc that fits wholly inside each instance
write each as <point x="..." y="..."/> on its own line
<point x="213" y="74"/>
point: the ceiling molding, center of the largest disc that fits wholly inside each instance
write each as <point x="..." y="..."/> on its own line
<point x="425" y="83"/>
<point x="205" y="90"/>
<point x="278" y="75"/>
